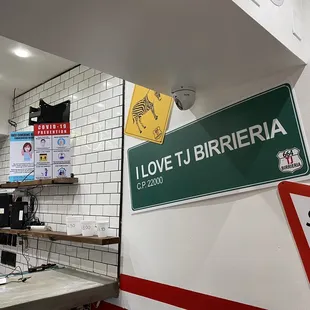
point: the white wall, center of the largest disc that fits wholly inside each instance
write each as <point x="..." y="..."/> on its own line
<point x="96" y="123"/>
<point x="237" y="247"/>
<point x="279" y="21"/>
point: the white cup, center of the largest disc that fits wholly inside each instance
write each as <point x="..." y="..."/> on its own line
<point x="88" y="228"/>
<point x="74" y="225"/>
<point x="102" y="228"/>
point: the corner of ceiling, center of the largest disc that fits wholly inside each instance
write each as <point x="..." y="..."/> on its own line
<point x="285" y="22"/>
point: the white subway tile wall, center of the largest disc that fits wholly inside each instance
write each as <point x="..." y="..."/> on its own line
<point x="96" y="127"/>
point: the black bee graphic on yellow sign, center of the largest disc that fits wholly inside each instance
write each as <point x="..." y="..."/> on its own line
<point x="148" y="115"/>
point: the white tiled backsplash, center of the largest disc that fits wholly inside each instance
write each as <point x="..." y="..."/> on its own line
<point x="96" y="133"/>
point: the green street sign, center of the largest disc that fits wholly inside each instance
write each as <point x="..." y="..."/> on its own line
<point x="255" y="142"/>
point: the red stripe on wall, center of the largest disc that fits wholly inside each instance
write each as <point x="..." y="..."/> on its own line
<point x="176" y="296"/>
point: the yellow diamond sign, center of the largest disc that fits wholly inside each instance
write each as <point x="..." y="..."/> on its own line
<point x="148" y="115"/>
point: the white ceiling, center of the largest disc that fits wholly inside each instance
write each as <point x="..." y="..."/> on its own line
<point x="210" y="44"/>
<point x="25" y="73"/>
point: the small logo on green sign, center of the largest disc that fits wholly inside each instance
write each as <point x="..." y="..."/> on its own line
<point x="289" y="160"/>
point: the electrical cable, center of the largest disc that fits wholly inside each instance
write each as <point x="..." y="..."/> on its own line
<point x="22" y="279"/>
<point x="32" y="215"/>
<point x="14" y="97"/>
<point x="21" y="272"/>
<point x="25" y="177"/>
<point x="10" y="121"/>
<point x="37" y="251"/>
<point x="26" y="258"/>
<point x="49" y="252"/>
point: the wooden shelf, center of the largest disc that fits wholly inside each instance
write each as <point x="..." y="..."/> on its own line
<point x="54" y="235"/>
<point x="39" y="182"/>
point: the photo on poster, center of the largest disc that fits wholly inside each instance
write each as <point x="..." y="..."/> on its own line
<point x="61" y="142"/>
<point x="61" y="171"/>
<point x="43" y="157"/>
<point x="43" y="172"/>
<point x="21" y="156"/>
<point x="43" y="143"/>
<point x="61" y="157"/>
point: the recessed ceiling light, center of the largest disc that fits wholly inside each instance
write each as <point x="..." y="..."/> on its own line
<point x="21" y="52"/>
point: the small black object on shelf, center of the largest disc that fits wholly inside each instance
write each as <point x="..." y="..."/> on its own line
<point x="19" y="214"/>
<point x="41" y="268"/>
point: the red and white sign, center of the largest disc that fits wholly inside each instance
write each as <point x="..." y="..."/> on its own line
<point x="52" y="150"/>
<point x="296" y="202"/>
<point x="52" y="129"/>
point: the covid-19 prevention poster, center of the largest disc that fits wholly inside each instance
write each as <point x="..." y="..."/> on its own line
<point x="52" y="151"/>
<point x="21" y="156"/>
